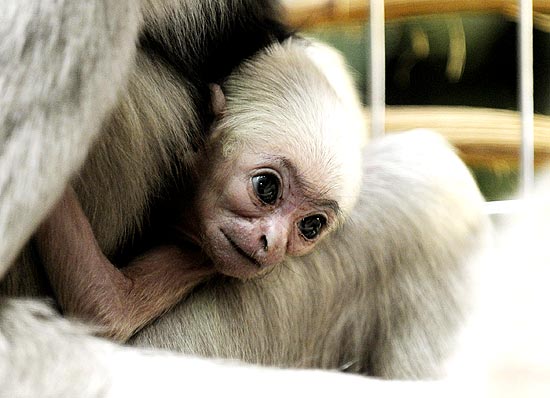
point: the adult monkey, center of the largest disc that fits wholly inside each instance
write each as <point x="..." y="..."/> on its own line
<point x="118" y="204"/>
<point x="28" y="329"/>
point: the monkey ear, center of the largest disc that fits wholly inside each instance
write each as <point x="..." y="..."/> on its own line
<point x="217" y="98"/>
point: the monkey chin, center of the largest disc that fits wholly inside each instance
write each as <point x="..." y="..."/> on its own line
<point x="231" y="260"/>
<point x="242" y="270"/>
<point x="235" y="265"/>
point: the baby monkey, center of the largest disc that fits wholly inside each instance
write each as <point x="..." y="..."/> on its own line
<point x="280" y="170"/>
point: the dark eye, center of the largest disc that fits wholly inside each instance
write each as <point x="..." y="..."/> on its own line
<point x="266" y="187"/>
<point x="311" y="226"/>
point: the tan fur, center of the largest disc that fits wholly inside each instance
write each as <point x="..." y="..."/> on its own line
<point x="140" y="146"/>
<point x="133" y="136"/>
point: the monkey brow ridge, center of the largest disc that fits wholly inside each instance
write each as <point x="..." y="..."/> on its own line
<point x="311" y="194"/>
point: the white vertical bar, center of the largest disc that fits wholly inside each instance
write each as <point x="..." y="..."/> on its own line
<point x="377" y="68"/>
<point x="527" y="168"/>
<point x="503" y="206"/>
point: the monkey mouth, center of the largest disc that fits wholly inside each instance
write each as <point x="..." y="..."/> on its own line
<point x="240" y="251"/>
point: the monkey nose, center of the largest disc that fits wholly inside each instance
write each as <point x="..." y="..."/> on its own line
<point x="271" y="243"/>
<point x="271" y="248"/>
<point x="265" y="243"/>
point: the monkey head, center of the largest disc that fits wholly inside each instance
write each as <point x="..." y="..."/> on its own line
<point x="283" y="165"/>
<point x="256" y="209"/>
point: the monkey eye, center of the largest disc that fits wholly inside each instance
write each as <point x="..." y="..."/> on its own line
<point x="266" y="186"/>
<point x="311" y="226"/>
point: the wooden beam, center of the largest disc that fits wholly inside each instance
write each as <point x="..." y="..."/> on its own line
<point x="303" y="14"/>
<point x="481" y="134"/>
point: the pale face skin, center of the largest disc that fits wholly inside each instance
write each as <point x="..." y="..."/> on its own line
<point x="254" y="210"/>
<point x="251" y="211"/>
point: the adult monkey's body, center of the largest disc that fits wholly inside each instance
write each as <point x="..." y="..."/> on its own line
<point x="38" y="348"/>
<point x="163" y="115"/>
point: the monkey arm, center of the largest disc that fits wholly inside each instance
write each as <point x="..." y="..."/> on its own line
<point x="88" y="285"/>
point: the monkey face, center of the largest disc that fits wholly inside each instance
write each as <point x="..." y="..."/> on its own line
<point x="258" y="208"/>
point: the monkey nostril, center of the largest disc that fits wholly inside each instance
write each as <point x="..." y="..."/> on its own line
<point x="264" y="241"/>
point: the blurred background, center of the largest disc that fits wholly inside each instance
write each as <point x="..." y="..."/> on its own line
<point x="451" y="65"/>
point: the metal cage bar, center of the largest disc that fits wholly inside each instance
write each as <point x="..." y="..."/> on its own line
<point x="527" y="113"/>
<point x="377" y="68"/>
<point x="526" y="103"/>
<point x="526" y="91"/>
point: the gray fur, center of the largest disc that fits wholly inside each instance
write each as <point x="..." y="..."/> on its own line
<point x="55" y="58"/>
<point x="41" y="354"/>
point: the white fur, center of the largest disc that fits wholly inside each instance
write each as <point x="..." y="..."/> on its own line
<point x="505" y="348"/>
<point x="303" y="102"/>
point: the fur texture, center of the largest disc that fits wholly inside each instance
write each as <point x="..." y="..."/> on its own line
<point x="373" y="297"/>
<point x="382" y="299"/>
<point x="387" y="302"/>
<point x="309" y="103"/>
<point x="54" y="60"/>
